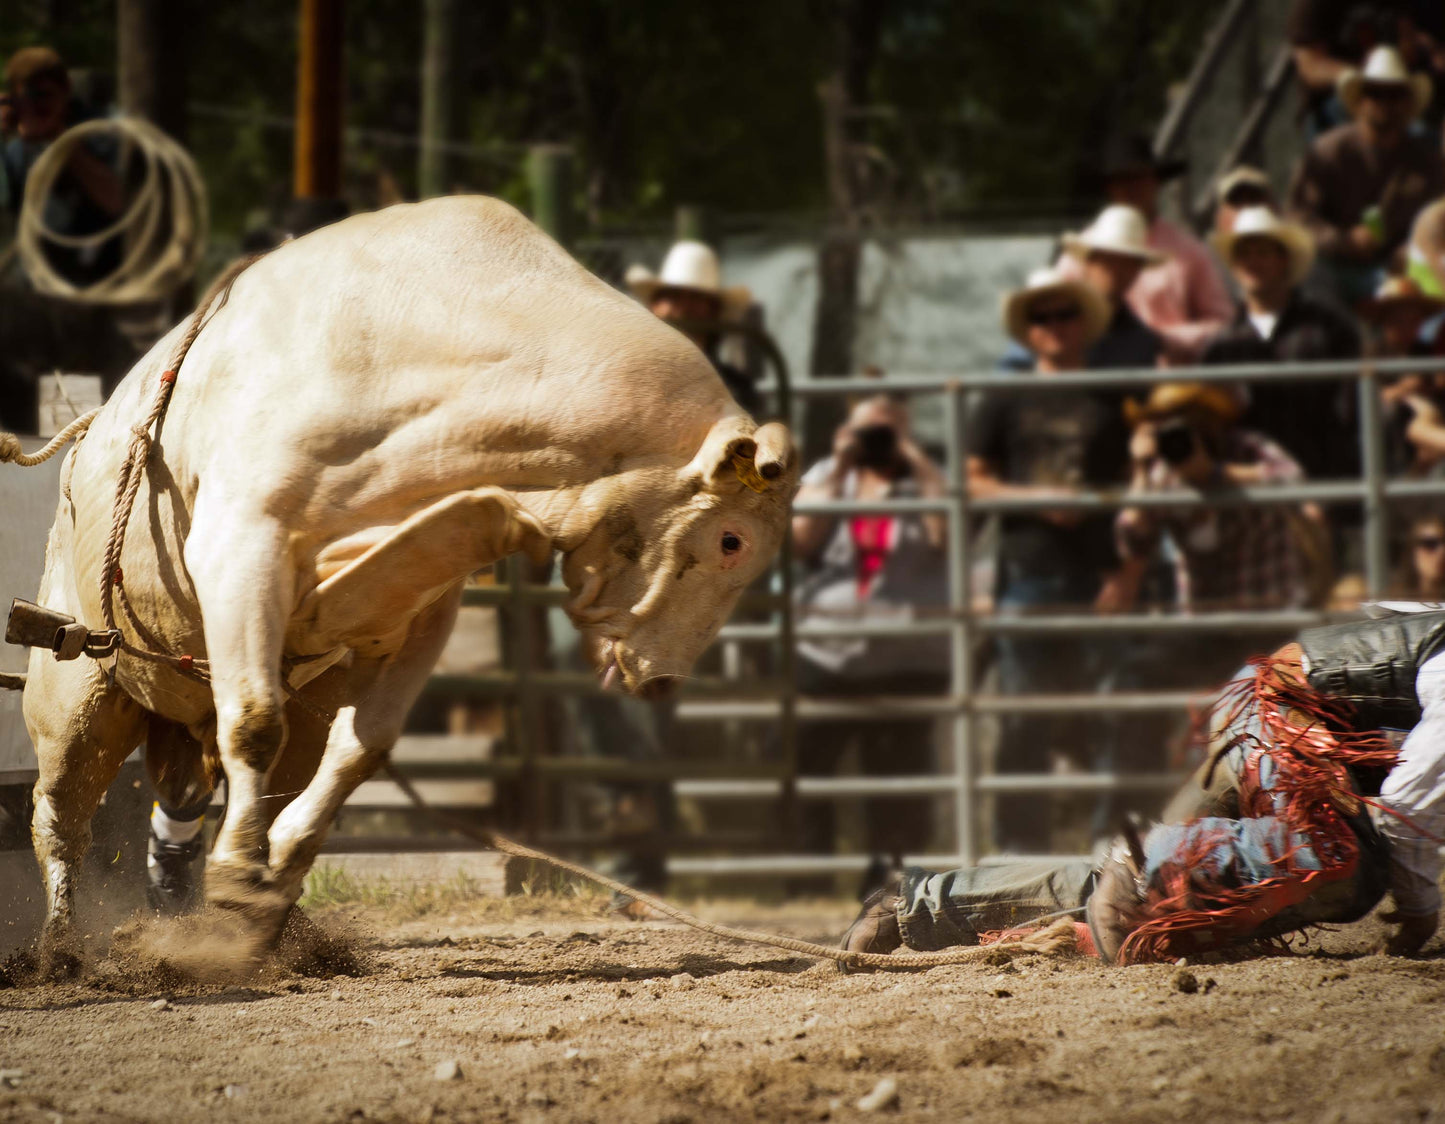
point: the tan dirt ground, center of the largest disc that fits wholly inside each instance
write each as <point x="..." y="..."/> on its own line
<point x="556" y="1012"/>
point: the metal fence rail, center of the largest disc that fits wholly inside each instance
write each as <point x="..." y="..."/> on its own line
<point x="726" y="700"/>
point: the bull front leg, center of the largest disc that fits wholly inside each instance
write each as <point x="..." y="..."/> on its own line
<point x="359" y="740"/>
<point x="243" y="580"/>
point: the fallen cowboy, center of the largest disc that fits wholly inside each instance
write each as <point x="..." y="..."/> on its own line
<point x="310" y="468"/>
<point x="1308" y="808"/>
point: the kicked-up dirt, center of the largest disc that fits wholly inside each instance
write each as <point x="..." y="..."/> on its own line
<point x="546" y="1009"/>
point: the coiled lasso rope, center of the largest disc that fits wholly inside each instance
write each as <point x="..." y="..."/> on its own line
<point x="162" y="230"/>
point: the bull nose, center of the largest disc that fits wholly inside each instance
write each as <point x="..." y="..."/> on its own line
<point x="659" y="687"/>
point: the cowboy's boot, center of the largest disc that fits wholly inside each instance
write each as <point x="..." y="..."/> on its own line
<point x="875" y="929"/>
<point x="1116" y="906"/>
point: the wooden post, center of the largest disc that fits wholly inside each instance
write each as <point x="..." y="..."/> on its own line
<point x="549" y="168"/>
<point x="691" y="222"/>
<point x="151" y="63"/>
<point x="438" y="95"/>
<point x="319" y="92"/>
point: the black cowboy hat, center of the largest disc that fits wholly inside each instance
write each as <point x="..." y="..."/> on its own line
<point x="1130" y="154"/>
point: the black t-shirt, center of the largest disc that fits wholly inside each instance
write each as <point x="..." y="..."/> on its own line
<point x="1065" y="440"/>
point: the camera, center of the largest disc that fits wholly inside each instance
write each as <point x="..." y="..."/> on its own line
<point x="1175" y="441"/>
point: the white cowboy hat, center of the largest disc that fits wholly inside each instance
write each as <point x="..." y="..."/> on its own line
<point x="1118" y="229"/>
<point x="1261" y="222"/>
<point x="693" y="266"/>
<point x="1050" y="282"/>
<point x="1383" y="67"/>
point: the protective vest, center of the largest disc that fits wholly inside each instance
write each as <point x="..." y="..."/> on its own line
<point x="1373" y="664"/>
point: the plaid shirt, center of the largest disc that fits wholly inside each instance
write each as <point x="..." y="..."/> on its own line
<point x="1228" y="557"/>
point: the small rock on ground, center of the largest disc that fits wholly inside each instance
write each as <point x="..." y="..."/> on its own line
<point x="449" y="1070"/>
<point x="884" y="1095"/>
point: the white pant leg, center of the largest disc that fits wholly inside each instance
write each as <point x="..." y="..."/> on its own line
<point x="1415" y="789"/>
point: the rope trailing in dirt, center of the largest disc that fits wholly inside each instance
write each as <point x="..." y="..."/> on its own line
<point x="1054" y="939"/>
<point x="163" y="229"/>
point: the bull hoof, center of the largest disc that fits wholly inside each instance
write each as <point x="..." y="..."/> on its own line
<point x="60" y="959"/>
<point x="249" y="893"/>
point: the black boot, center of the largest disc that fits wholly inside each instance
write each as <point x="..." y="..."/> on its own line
<point x="173" y="874"/>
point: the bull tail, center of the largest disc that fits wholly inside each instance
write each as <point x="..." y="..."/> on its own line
<point x="10" y="450"/>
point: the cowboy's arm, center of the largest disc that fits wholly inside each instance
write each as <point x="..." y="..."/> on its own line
<point x="823" y="482"/>
<point x="1413" y="797"/>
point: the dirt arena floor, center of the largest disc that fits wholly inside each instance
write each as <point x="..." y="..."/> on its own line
<point x="547" y="1009"/>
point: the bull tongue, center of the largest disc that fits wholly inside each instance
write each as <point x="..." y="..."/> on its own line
<point x="609" y="674"/>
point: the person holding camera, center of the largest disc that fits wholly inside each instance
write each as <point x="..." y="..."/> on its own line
<point x="1185" y="436"/>
<point x="872" y="566"/>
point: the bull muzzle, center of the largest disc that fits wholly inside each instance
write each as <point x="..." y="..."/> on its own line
<point x="34" y="626"/>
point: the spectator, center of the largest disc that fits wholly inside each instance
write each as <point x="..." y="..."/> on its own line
<point x="1184" y="299"/>
<point x="1359" y="187"/>
<point x="1241" y="188"/>
<point x="1329" y="37"/>
<point x="872" y="567"/>
<point x="1114" y="250"/>
<point x="1278" y="322"/>
<point x="1185" y="436"/>
<point x="1041" y="444"/>
<point x="1406" y="323"/>
<point x="89" y="195"/>
<point x="689" y="291"/>
<point x="1422" y="572"/>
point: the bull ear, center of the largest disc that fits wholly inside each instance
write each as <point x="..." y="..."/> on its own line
<point x="776" y="457"/>
<point x="726" y="455"/>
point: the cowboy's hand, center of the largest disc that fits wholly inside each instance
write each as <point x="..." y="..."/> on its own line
<point x="1363" y="241"/>
<point x="1412" y="934"/>
<point x="1143" y="444"/>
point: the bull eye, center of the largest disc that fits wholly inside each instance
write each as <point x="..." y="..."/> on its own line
<point x="731" y="544"/>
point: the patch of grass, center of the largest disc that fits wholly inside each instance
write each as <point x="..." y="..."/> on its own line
<point x="542" y="891"/>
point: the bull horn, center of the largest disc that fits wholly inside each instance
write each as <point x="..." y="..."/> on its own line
<point x="775" y="455"/>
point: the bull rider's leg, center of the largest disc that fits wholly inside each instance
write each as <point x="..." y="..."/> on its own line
<point x="83" y="730"/>
<point x="928" y="911"/>
<point x="360" y="738"/>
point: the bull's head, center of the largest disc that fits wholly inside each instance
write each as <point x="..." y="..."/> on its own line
<point x="663" y="553"/>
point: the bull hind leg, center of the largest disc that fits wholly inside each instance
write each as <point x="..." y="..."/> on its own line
<point x="83" y="729"/>
<point x="379" y="693"/>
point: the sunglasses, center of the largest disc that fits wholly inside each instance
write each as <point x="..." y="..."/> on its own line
<point x="1386" y="93"/>
<point x="1045" y="316"/>
<point x="1429" y="542"/>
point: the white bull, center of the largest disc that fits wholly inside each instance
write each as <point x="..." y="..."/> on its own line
<point x="378" y="410"/>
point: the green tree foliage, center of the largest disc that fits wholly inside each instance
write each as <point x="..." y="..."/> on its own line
<point x="972" y="104"/>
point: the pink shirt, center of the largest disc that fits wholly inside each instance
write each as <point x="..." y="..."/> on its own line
<point x="1184" y="298"/>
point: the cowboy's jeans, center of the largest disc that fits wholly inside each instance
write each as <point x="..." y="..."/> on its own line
<point x="939" y="910"/>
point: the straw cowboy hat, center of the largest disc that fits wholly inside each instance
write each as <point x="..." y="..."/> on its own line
<point x="1213" y="406"/>
<point x="1050" y="282"/>
<point x="1396" y="291"/>
<point x="1261" y="222"/>
<point x="1384" y="67"/>
<point x="1242" y="176"/>
<point x="1118" y="229"/>
<point x="692" y="266"/>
